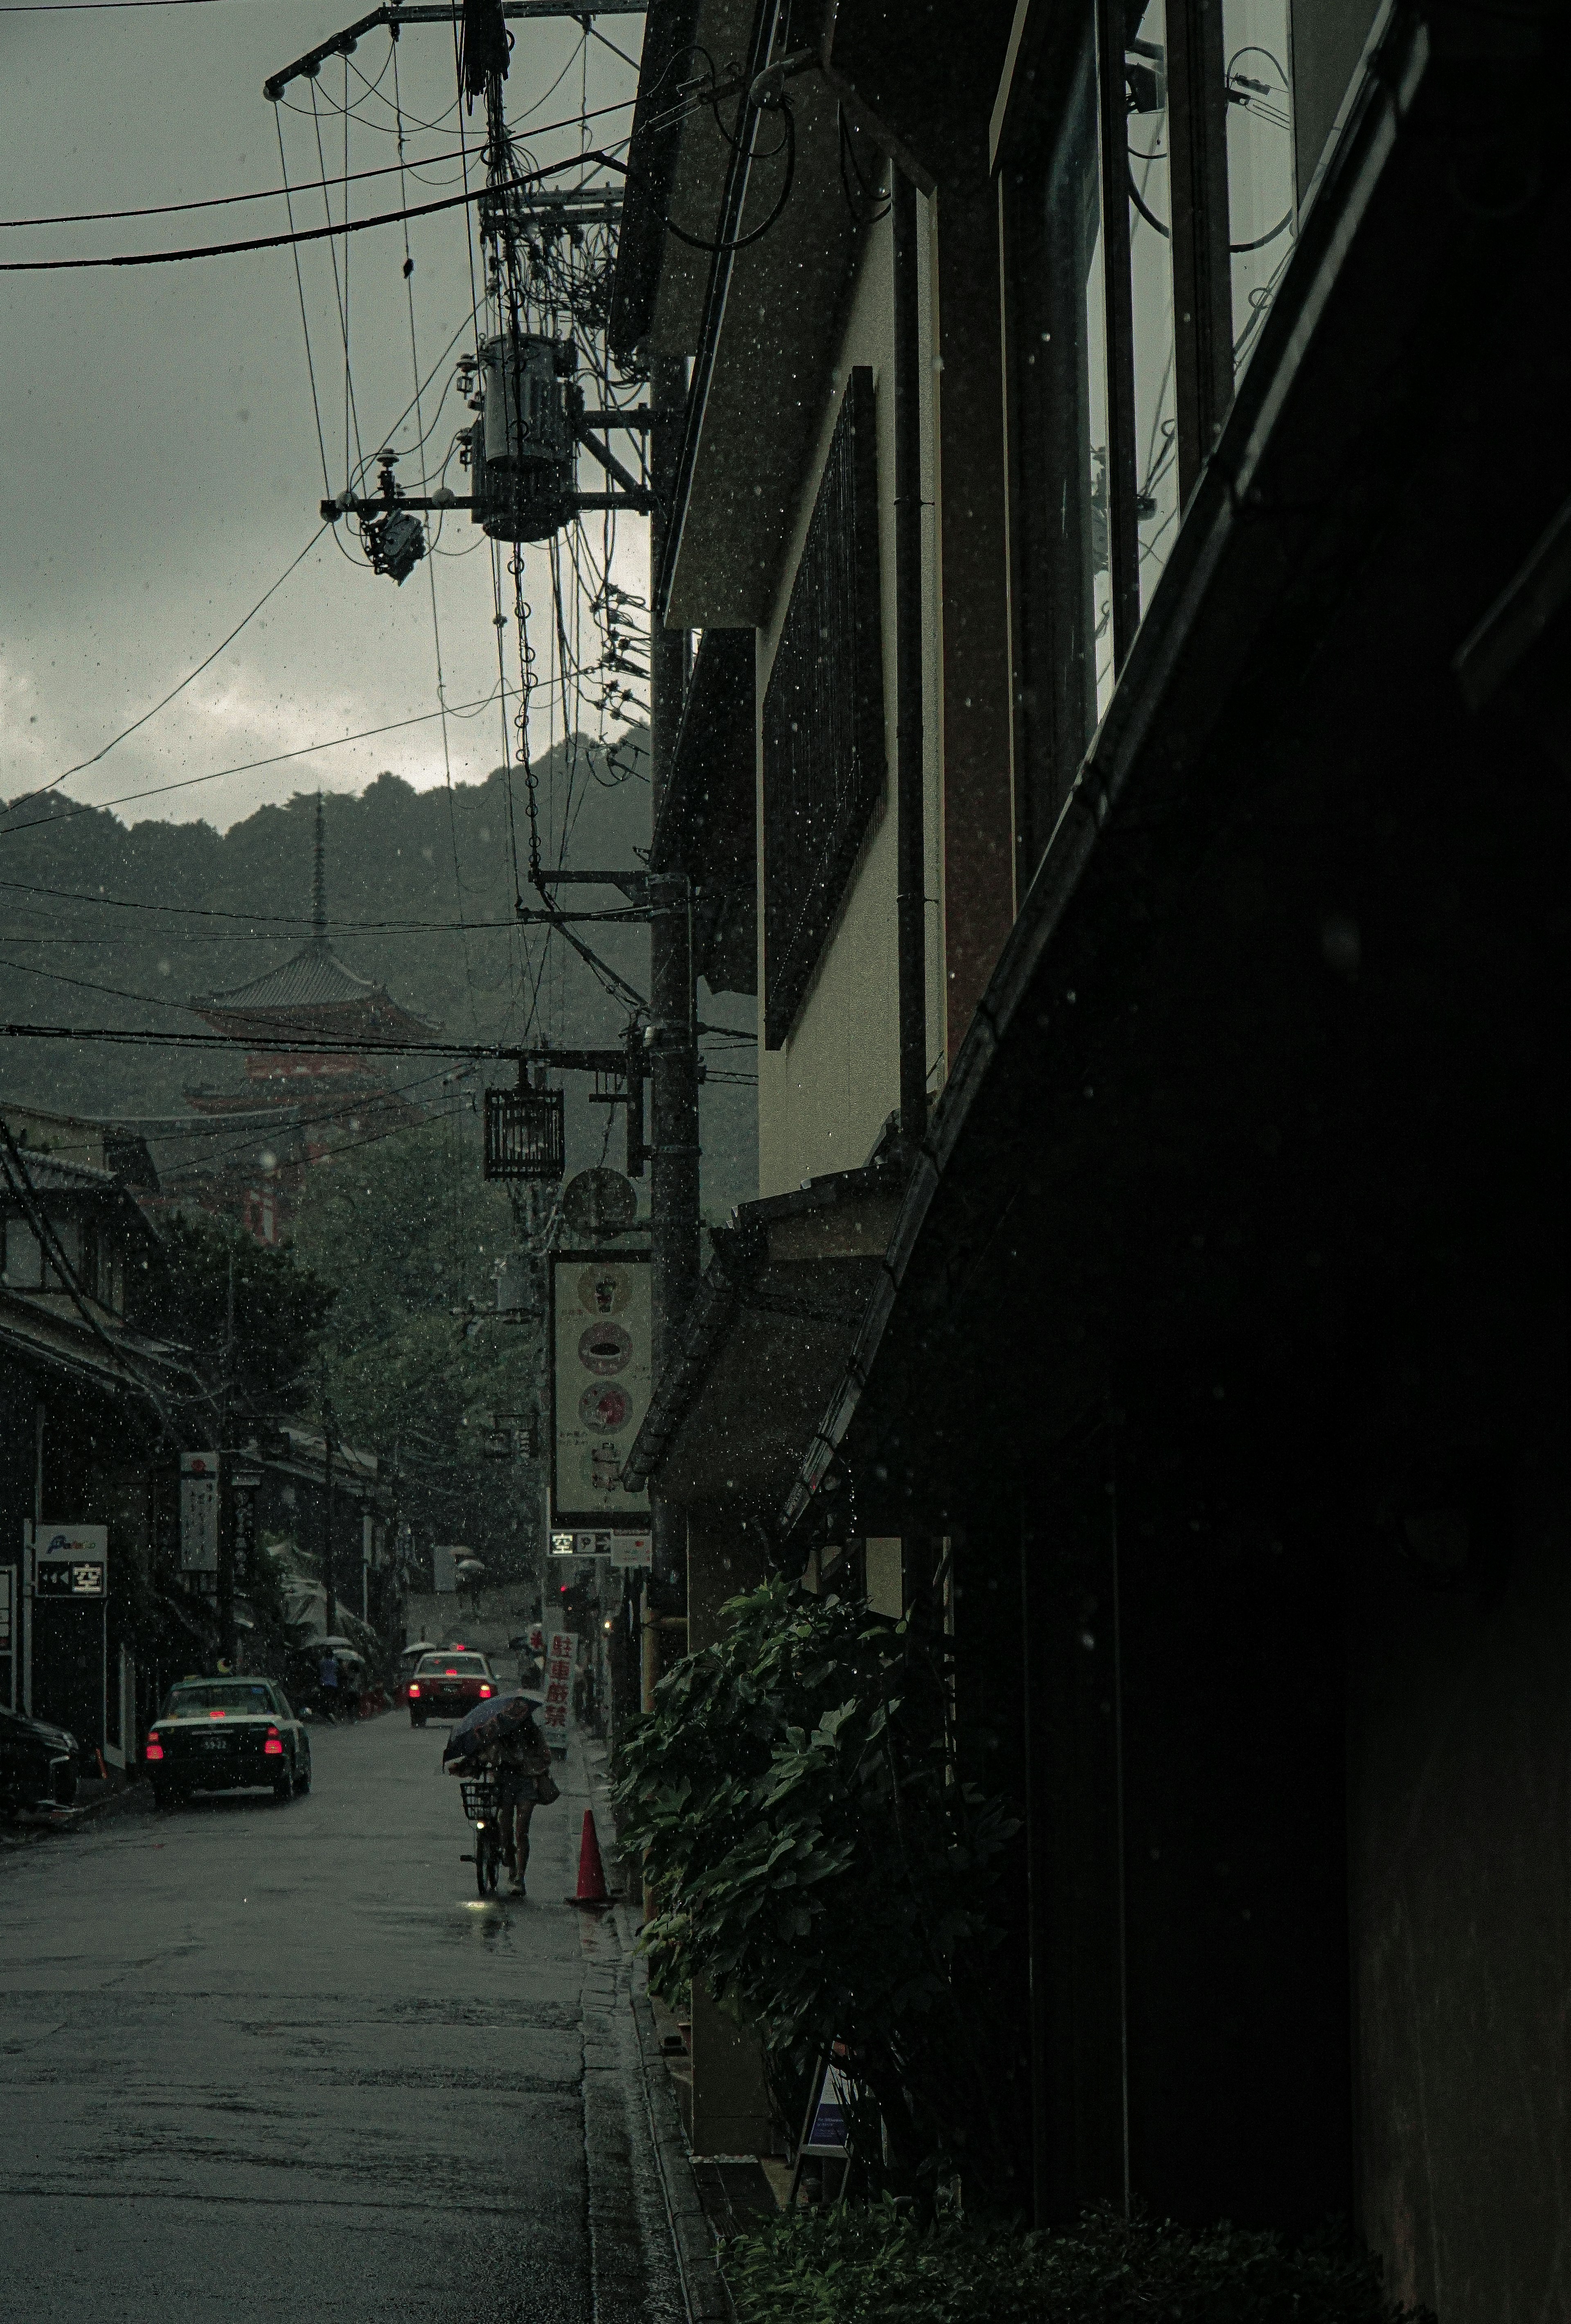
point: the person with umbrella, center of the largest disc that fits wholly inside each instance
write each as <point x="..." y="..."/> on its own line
<point x="500" y="1735"/>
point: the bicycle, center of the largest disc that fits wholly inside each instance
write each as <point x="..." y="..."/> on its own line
<point x="482" y="1808"/>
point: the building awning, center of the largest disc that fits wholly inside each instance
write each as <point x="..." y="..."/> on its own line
<point x="773" y="1321"/>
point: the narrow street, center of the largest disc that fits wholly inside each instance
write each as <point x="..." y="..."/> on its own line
<point x="280" y="2062"/>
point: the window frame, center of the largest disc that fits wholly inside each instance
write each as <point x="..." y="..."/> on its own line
<point x="806" y="873"/>
<point x="1031" y="118"/>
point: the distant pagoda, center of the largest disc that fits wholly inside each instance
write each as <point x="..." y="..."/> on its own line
<point x="298" y="1105"/>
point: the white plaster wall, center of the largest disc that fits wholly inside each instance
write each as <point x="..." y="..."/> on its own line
<point x="824" y="1096"/>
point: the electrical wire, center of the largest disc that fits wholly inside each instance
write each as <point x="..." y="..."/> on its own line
<point x="246" y="767"/>
<point x="191" y="674"/>
<point x="210" y="201"/>
<point x="307" y="234"/>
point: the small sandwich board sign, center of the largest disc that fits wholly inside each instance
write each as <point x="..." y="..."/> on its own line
<point x="827" y="2116"/>
<point x="825" y="2128"/>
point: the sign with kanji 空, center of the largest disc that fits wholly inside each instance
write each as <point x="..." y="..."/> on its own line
<point x="561" y="1652"/>
<point x="602" y="1378"/>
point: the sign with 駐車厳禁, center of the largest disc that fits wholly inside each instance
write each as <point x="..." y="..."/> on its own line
<point x="556" y="1715"/>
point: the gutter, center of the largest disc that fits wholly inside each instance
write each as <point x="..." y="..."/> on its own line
<point x="1226" y="498"/>
<point x="911" y="851"/>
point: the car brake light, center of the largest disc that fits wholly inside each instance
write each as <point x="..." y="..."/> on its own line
<point x="155" y="1747"/>
<point x="413" y="1688"/>
<point x="485" y="1690"/>
<point x="272" y="1748"/>
<point x="217" y="1714"/>
<point x="450" y="1671"/>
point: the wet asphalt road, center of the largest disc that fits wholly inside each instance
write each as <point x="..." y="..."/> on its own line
<point x="279" y="2062"/>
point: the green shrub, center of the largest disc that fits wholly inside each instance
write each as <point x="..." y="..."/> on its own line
<point x="875" y="2266"/>
<point x="816" y="1859"/>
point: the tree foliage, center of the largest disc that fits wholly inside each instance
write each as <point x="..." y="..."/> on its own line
<point x="817" y="1861"/>
<point x="410" y="1231"/>
<point x="253" y="1314"/>
<point x="874" y="2265"/>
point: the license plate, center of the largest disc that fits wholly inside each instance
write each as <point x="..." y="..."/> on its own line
<point x="214" y="1742"/>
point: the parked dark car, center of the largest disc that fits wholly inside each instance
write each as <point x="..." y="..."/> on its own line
<point x="226" y="1735"/>
<point x="446" y="1685"/>
<point x="39" y="1764"/>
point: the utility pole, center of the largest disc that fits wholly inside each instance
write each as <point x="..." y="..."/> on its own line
<point x="227" y="1632"/>
<point x="330" y="1612"/>
<point x="673" y="1040"/>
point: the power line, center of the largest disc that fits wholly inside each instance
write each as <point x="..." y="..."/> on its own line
<point x="190" y="676"/>
<point x="246" y="767"/>
<point x="306" y="233"/>
<point x="214" y="201"/>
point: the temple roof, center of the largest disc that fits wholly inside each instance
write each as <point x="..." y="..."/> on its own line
<point x="312" y="978"/>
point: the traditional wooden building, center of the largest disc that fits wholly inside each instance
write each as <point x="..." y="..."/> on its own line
<point x="1156" y="777"/>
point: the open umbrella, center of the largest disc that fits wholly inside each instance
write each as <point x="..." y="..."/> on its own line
<point x="488" y="1721"/>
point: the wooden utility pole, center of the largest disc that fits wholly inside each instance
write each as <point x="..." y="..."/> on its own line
<point x="330" y="1611"/>
<point x="674" y="1155"/>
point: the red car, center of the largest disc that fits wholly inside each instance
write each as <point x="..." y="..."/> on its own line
<point x="447" y="1683"/>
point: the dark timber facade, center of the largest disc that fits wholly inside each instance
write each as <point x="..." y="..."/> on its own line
<point x="1209" y="1334"/>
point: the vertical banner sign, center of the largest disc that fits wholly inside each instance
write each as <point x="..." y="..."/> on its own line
<point x="243" y="1490"/>
<point x="602" y="1378"/>
<point x="198" y="1512"/>
<point x="561" y="1651"/>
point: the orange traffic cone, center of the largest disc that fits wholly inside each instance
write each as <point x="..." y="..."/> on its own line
<point x="592" y="1888"/>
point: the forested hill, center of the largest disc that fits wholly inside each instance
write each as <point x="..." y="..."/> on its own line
<point x="107" y="925"/>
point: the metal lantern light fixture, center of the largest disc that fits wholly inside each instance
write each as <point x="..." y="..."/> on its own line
<point x="525" y="1134"/>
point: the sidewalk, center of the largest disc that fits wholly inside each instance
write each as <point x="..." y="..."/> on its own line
<point x="705" y="2199"/>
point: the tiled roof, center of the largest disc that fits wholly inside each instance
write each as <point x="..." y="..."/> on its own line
<point x="312" y="978"/>
<point x="47" y="1172"/>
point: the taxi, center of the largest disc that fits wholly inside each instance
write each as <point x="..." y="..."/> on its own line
<point x="448" y="1684"/>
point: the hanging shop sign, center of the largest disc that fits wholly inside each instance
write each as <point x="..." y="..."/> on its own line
<point x="602" y="1374"/>
<point x="556" y="1716"/>
<point x="199" y="1512"/>
<point x="70" y="1561"/>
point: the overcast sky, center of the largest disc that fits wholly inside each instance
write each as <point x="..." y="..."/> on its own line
<point x="159" y="461"/>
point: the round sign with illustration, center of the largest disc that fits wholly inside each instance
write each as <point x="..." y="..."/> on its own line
<point x="605" y="1348"/>
<point x="604" y="1406"/>
<point x="599" y="1202"/>
<point x="604" y="1290"/>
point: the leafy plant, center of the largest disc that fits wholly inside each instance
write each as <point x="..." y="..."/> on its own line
<point x="252" y="1313"/>
<point x="411" y="1231"/>
<point x="817" y="1860"/>
<point x="874" y="2265"/>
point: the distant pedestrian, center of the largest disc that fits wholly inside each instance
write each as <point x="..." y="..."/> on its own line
<point x="327" y="1679"/>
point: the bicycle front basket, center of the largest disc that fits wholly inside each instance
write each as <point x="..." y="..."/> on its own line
<point x="479" y="1797"/>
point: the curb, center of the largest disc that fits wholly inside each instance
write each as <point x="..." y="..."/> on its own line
<point x="703" y="2285"/>
<point x="70" y="1820"/>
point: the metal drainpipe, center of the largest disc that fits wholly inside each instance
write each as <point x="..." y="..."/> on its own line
<point x="911" y="877"/>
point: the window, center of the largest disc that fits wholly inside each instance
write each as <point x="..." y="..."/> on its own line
<point x="23" y="1257"/>
<point x="1147" y="208"/>
<point x="1064" y="624"/>
<point x="1262" y="213"/>
<point x="1148" y="161"/>
<point x="823" y="716"/>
